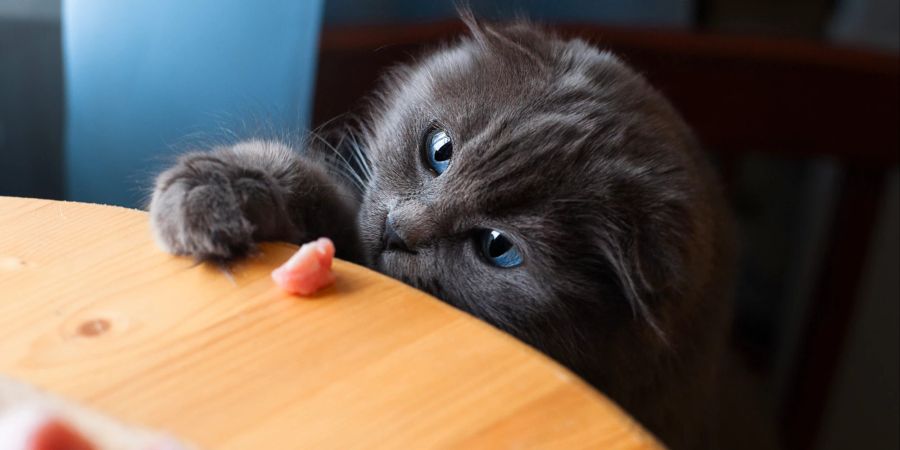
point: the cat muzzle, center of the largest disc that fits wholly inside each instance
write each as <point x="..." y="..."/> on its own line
<point x="391" y="240"/>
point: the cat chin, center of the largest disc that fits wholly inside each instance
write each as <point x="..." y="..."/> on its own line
<point x="386" y="261"/>
<point x="392" y="264"/>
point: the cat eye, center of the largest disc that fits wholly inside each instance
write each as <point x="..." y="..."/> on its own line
<point x="438" y="150"/>
<point x="498" y="249"/>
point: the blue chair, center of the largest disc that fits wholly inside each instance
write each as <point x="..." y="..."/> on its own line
<point x="141" y="76"/>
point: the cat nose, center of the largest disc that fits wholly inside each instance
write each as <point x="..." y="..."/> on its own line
<point x="392" y="240"/>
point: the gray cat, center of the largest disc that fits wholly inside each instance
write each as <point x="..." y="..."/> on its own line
<point x="535" y="182"/>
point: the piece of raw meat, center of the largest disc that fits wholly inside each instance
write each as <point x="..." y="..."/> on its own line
<point x="308" y="270"/>
<point x="31" y="419"/>
<point x="33" y="429"/>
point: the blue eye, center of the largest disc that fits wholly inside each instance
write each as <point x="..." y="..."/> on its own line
<point x="499" y="250"/>
<point x="438" y="150"/>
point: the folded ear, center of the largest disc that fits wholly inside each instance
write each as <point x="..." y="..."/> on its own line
<point x="647" y="262"/>
<point x="633" y="284"/>
<point x="473" y="24"/>
<point x="513" y="40"/>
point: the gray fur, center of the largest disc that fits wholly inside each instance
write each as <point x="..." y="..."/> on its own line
<point x="590" y="171"/>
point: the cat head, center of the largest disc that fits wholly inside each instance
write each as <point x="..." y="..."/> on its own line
<point x="535" y="182"/>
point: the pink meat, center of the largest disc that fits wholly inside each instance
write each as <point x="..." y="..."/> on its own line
<point x="29" y="427"/>
<point x="26" y="428"/>
<point x="308" y="270"/>
<point x="57" y="435"/>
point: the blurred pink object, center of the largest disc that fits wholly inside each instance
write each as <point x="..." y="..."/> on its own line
<point x="308" y="270"/>
<point x="31" y="419"/>
<point x="30" y="428"/>
<point x="34" y="429"/>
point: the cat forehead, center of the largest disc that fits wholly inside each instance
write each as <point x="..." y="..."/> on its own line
<point x="532" y="123"/>
<point x="472" y="75"/>
<point x="473" y="81"/>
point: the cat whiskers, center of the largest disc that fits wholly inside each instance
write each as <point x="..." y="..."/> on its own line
<point x="347" y="170"/>
<point x="358" y="154"/>
<point x="341" y="170"/>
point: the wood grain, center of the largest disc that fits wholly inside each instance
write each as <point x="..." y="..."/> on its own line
<point x="92" y="310"/>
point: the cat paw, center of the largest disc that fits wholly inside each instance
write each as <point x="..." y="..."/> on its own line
<point x="197" y="210"/>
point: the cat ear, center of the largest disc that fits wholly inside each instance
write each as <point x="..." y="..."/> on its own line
<point x="509" y="42"/>
<point x="476" y="27"/>
<point x="639" y="280"/>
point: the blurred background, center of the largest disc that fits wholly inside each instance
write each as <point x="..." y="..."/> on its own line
<point x="796" y="100"/>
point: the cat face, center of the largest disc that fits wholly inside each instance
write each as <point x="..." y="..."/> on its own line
<point x="536" y="183"/>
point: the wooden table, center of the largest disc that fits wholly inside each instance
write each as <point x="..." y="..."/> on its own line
<point x="92" y="310"/>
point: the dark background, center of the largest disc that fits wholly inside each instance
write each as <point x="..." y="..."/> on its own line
<point x="797" y="101"/>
